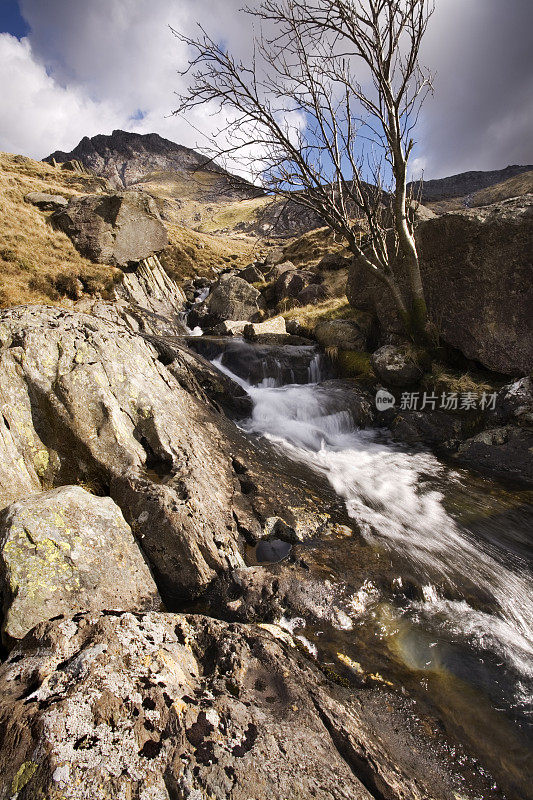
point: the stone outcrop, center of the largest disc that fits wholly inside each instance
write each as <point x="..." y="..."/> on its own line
<point x="65" y="551"/>
<point x="118" y="229"/>
<point x="149" y="287"/>
<point x="506" y="451"/>
<point x="166" y="706"/>
<point x="86" y="399"/>
<point x="46" y="202"/>
<point x="476" y="271"/>
<point x="291" y="282"/>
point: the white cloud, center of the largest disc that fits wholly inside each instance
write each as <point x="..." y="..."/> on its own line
<point x="89" y="67"/>
<point x="38" y="115"/>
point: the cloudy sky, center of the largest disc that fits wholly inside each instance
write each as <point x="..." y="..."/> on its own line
<point x="71" y="68"/>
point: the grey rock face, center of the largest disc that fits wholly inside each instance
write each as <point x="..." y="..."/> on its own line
<point x="46" y="202"/>
<point x="164" y="706"/>
<point x="291" y="282"/>
<point x="395" y="365"/>
<point x="84" y="398"/>
<point x="312" y="294"/>
<point x="65" y="551"/>
<point x="251" y="274"/>
<point x="118" y="229"/>
<point x="476" y="270"/>
<point x="149" y="287"/>
<point x="234" y="299"/>
<point x="346" y="334"/>
<point x="515" y="402"/>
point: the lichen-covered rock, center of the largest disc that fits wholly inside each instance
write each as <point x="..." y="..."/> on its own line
<point x="65" y="551"/>
<point x="82" y="398"/>
<point x="347" y="334"/>
<point x="160" y="706"/>
<point x="149" y="287"/>
<point x="233" y="298"/>
<point x="118" y="229"/>
<point x="396" y="365"/>
<point x="85" y="398"/>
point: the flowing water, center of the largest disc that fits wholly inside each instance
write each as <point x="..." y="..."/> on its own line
<point x="453" y="617"/>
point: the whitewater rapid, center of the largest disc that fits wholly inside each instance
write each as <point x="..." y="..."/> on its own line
<point x="390" y="493"/>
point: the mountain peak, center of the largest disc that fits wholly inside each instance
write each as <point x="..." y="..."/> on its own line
<point x="125" y="159"/>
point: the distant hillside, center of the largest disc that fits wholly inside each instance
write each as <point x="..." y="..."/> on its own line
<point x="39" y="264"/>
<point x="128" y="159"/>
<point x="466" y="183"/>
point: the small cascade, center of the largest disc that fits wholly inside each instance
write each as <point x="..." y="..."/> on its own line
<point x="469" y="590"/>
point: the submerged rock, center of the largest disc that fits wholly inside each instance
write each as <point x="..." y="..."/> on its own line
<point x="107" y="706"/>
<point x="65" y="551"/>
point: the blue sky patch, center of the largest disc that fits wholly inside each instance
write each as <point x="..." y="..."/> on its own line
<point x="11" y="20"/>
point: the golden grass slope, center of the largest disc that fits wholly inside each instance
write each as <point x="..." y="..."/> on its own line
<point x="36" y="261"/>
<point x="39" y="264"/>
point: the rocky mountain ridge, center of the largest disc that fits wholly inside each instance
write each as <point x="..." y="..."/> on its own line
<point x="125" y="159"/>
<point x="465" y="183"/>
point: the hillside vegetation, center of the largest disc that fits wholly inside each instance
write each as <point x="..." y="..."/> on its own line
<point x="39" y="264"/>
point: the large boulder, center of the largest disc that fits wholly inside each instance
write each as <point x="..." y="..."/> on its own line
<point x="346" y="334"/>
<point x="396" y="365"/>
<point x="65" y="551"/>
<point x="158" y="706"/>
<point x="138" y="416"/>
<point x="119" y="229"/>
<point x="476" y="271"/>
<point x="235" y="299"/>
<point x="291" y="282"/>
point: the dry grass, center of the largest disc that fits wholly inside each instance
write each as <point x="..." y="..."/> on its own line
<point x="37" y="263"/>
<point x="192" y="253"/>
<point x="40" y="265"/>
<point x="333" y="308"/>
<point x="442" y="378"/>
<point x="310" y="248"/>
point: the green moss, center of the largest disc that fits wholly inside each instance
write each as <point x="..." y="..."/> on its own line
<point x="354" y="364"/>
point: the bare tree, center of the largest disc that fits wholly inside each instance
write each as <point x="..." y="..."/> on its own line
<point x="323" y="114"/>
